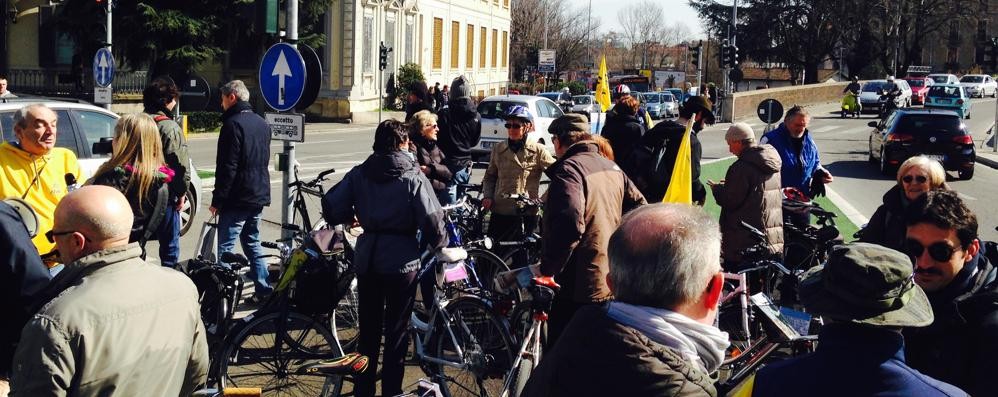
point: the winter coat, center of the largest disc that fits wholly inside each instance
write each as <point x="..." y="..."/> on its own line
<point x="623" y="132"/>
<point x="514" y="173"/>
<point x="651" y="162"/>
<point x="242" y="177"/>
<point x="175" y="152"/>
<point x="40" y="180"/>
<point x="144" y="213"/>
<point x="851" y="360"/>
<point x="961" y="344"/>
<point x="428" y="154"/>
<point x="392" y="199"/>
<point x="587" y="198"/>
<point x="22" y="277"/>
<point x="117" y="325"/>
<point x="797" y="169"/>
<point x="460" y="129"/>
<point x="597" y="356"/>
<point x="887" y="226"/>
<point x="751" y="193"/>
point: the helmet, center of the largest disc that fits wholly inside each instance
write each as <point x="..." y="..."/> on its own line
<point x="622" y="90"/>
<point x="855" y="78"/>
<point x="565" y="89"/>
<point x="890" y="78"/>
<point x="519" y="112"/>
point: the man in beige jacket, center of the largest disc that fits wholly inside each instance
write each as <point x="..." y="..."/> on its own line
<point x="113" y="324"/>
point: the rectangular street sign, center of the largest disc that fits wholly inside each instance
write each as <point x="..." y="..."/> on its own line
<point x="286" y="126"/>
<point x="546" y="57"/>
<point x="546" y="69"/>
<point x="102" y="95"/>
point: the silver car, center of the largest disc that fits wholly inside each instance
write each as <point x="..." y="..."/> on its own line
<point x="585" y="104"/>
<point x="80" y="127"/>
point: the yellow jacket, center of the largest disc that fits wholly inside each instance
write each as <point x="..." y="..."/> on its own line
<point x="17" y="178"/>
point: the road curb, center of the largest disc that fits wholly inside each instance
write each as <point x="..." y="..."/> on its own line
<point x="991" y="163"/>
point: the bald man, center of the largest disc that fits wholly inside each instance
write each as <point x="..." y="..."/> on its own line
<point x="115" y="325"/>
<point x="33" y="169"/>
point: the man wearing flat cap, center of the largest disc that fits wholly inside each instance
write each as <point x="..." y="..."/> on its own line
<point x="866" y="294"/>
<point x="587" y="198"/>
<point x="750" y="192"/>
<point x="651" y="162"/>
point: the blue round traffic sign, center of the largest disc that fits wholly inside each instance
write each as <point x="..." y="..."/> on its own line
<point x="282" y="76"/>
<point x="103" y="67"/>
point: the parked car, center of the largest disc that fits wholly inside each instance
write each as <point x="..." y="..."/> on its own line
<point x="677" y="93"/>
<point x="870" y="95"/>
<point x="494" y="108"/>
<point x="937" y="134"/>
<point x="651" y="102"/>
<point x="919" y="87"/>
<point x="81" y="126"/>
<point x="979" y="85"/>
<point x="951" y="97"/>
<point x="944" y="78"/>
<point x="585" y="104"/>
<point x="670" y="106"/>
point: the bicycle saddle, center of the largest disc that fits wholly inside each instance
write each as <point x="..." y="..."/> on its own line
<point x="451" y="254"/>
<point x="351" y="363"/>
<point x="234" y="258"/>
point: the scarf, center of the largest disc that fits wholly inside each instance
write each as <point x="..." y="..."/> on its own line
<point x="701" y="344"/>
<point x="516" y="146"/>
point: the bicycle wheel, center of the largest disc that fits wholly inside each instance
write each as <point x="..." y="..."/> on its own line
<point x="260" y="357"/>
<point x="486" y="266"/>
<point x="347" y="318"/>
<point x="487" y="348"/>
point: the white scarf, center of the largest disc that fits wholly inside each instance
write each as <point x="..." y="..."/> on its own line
<point x="701" y="344"/>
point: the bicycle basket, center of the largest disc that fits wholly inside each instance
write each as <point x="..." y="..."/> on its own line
<point x="318" y="280"/>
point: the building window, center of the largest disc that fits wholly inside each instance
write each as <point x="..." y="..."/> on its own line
<point x="484" y="40"/>
<point x="505" y="3"/>
<point x="368" y="64"/>
<point x="470" y="56"/>
<point x="438" y="42"/>
<point x="409" y="39"/>
<point x="390" y="40"/>
<point x="455" y="43"/>
<point x="505" y="49"/>
<point x="495" y="47"/>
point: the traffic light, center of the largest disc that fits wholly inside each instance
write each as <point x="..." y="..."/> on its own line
<point x="383" y="56"/>
<point x="695" y="55"/>
<point x="993" y="51"/>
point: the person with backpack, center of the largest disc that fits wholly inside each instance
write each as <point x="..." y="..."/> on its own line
<point x="460" y="130"/>
<point x="624" y="129"/>
<point x="159" y="99"/>
<point x="137" y="170"/>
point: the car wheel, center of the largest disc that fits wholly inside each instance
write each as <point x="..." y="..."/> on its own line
<point x="965" y="174"/>
<point x="884" y="167"/>
<point x="994" y="94"/>
<point x="187" y="212"/>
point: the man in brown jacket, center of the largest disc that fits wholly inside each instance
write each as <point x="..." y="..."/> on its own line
<point x="587" y="197"/>
<point x="750" y="192"/>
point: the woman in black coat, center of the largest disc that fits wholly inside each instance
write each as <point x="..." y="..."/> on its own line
<point x="916" y="176"/>
<point x="423" y="132"/>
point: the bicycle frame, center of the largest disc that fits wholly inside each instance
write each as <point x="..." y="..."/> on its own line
<point x="531" y="347"/>
<point x="742" y="292"/>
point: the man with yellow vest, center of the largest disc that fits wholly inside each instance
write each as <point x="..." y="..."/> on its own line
<point x="33" y="169"/>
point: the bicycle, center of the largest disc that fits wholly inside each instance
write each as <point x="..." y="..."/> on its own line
<point x="525" y="248"/>
<point x="462" y="343"/>
<point x="301" y="190"/>
<point x="482" y="265"/>
<point x="541" y="291"/>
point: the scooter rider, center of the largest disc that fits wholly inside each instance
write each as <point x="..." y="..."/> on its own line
<point x="889" y="95"/>
<point x="565" y="100"/>
<point x="853" y="87"/>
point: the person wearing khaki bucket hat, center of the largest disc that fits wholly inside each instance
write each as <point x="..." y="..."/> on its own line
<point x="866" y="294"/>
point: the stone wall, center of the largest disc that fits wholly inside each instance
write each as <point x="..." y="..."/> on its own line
<point x="746" y="103"/>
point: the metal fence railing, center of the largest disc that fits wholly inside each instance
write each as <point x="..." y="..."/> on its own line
<point x="56" y="82"/>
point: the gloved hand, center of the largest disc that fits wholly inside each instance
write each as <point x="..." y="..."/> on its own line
<point x="818" y="183"/>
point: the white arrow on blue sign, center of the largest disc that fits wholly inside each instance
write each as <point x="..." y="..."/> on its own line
<point x="282" y="76"/>
<point x="103" y="67"/>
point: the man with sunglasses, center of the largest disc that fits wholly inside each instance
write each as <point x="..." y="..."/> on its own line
<point x="114" y="324"/>
<point x="961" y="345"/>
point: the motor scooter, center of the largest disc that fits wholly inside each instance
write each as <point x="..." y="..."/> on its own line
<point x="888" y="104"/>
<point x="851" y="105"/>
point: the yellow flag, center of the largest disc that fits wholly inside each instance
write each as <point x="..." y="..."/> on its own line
<point x="603" y="88"/>
<point x="681" y="183"/>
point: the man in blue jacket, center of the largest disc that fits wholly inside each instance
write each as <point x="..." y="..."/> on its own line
<point x="866" y="295"/>
<point x="242" y="181"/>
<point x="798" y="152"/>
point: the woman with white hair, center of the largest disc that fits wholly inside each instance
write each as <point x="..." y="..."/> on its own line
<point x="916" y="176"/>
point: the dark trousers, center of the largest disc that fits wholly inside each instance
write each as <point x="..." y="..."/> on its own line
<point x="507" y="228"/>
<point x="169" y="237"/>
<point x="385" y="303"/>
<point x="562" y="311"/>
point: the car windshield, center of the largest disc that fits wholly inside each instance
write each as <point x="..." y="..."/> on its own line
<point x="650" y="98"/>
<point x="497" y="109"/>
<point x="930" y="124"/>
<point x="874" y="86"/>
<point x="916" y="83"/>
<point x="550" y="95"/>
<point x="939" y="79"/>
<point x="944" y="91"/>
<point x="972" y="79"/>
<point x="668" y="98"/>
<point x="582" y="99"/>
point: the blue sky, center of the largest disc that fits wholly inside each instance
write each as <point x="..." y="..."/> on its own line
<point x="675" y="11"/>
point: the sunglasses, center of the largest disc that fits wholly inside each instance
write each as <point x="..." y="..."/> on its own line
<point x="50" y="235"/>
<point x="919" y="179"/>
<point x="513" y="126"/>
<point x="939" y="251"/>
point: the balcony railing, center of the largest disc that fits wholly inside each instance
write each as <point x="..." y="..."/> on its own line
<point x="57" y="82"/>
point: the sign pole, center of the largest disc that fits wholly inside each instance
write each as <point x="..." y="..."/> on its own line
<point x="994" y="128"/>
<point x="108" y="105"/>
<point x="290" y="164"/>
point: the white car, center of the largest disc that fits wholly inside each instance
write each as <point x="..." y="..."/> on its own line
<point x="81" y="126"/>
<point x="979" y="85"/>
<point x="585" y="104"/>
<point x="494" y="108"/>
<point x="944" y="78"/>
<point x="869" y="96"/>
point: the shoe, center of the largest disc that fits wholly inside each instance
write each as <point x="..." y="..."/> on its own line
<point x="257" y="299"/>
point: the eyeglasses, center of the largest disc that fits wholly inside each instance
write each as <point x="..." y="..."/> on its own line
<point x="430" y="126"/>
<point x="919" y="179"/>
<point x="939" y="251"/>
<point x="513" y="126"/>
<point x="50" y="235"/>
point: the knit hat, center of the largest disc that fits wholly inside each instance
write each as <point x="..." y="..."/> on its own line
<point x="739" y="132"/>
<point x="459" y="88"/>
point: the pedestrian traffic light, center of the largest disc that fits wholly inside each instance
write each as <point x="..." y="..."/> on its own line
<point x="383" y="56"/>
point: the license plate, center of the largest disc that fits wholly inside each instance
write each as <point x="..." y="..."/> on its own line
<point x="939" y="158"/>
<point x="489" y="144"/>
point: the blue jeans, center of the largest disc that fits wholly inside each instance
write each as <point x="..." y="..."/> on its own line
<point x="169" y="237"/>
<point x="245" y="224"/>
<point x="462" y="175"/>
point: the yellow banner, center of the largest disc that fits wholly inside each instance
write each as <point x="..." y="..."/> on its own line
<point x="681" y="183"/>
<point x="603" y="87"/>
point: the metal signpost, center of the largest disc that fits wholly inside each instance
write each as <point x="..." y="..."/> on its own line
<point x="282" y="82"/>
<point x="103" y="76"/>
<point x="546" y="64"/>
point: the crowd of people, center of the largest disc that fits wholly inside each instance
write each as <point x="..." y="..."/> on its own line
<point x="912" y="309"/>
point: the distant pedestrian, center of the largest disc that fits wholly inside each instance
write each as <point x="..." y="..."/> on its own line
<point x="242" y="182"/>
<point x="460" y="130"/>
<point x="418" y="99"/>
<point x="159" y="100"/>
<point x="624" y="129"/>
<point x="446" y="92"/>
<point x="4" y="91"/>
<point x="438" y="97"/>
<point x="117" y="325"/>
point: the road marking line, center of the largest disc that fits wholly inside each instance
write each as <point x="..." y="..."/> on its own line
<point x="826" y="128"/>
<point x="847" y="209"/>
<point x="966" y="197"/>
